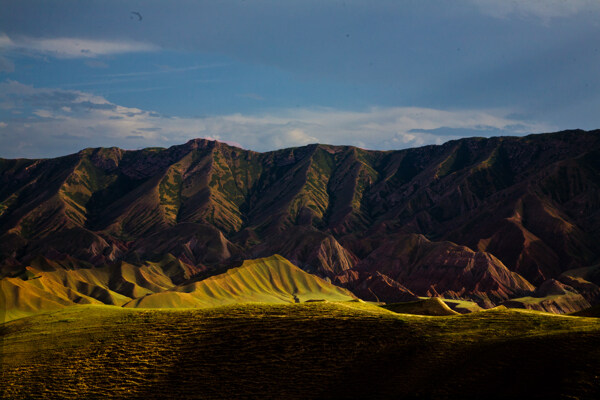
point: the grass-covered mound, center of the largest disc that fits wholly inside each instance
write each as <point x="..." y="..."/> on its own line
<point x="462" y="306"/>
<point x="297" y="351"/>
<point x="433" y="306"/>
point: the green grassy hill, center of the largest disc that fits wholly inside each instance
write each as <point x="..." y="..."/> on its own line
<point x="265" y="280"/>
<point x="48" y="285"/>
<point x="462" y="306"/>
<point x="297" y="351"/>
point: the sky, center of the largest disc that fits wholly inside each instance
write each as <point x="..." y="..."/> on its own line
<point x="269" y="74"/>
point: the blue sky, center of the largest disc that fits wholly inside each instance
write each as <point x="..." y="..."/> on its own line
<point x="271" y="74"/>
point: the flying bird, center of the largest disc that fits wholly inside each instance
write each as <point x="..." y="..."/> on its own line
<point x="137" y="14"/>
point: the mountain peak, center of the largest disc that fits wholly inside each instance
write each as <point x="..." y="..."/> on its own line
<point x="210" y="143"/>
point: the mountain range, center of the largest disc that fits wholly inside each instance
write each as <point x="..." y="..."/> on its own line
<point x="502" y="220"/>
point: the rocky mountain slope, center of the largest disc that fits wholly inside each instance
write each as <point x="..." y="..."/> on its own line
<point x="482" y="219"/>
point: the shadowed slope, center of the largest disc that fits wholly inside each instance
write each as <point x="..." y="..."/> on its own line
<point x="444" y="269"/>
<point x="585" y="280"/>
<point x="551" y="296"/>
<point x="592" y="312"/>
<point x="432" y="306"/>
<point x="298" y="351"/>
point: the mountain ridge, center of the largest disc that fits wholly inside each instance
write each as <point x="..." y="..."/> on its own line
<point x="527" y="205"/>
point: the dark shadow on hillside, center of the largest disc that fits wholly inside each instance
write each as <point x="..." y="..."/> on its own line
<point x="316" y="352"/>
<point x="357" y="359"/>
<point x="2" y="321"/>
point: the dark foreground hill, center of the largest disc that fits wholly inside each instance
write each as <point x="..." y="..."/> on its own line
<point x="320" y="350"/>
<point x="483" y="219"/>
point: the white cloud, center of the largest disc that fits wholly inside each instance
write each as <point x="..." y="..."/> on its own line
<point x="43" y="113"/>
<point x="67" y="47"/>
<point x="542" y="9"/>
<point x="78" y="119"/>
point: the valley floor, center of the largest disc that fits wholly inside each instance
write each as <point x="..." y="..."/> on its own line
<point x="314" y="350"/>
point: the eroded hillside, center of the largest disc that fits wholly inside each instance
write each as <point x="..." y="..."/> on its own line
<point x="483" y="219"/>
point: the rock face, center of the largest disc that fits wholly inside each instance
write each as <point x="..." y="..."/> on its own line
<point x="444" y="269"/>
<point x="481" y="219"/>
<point x="375" y="287"/>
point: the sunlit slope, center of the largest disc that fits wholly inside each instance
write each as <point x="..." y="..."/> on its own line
<point x="316" y="350"/>
<point x="265" y="280"/>
<point x="49" y="285"/>
<point x="19" y="299"/>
